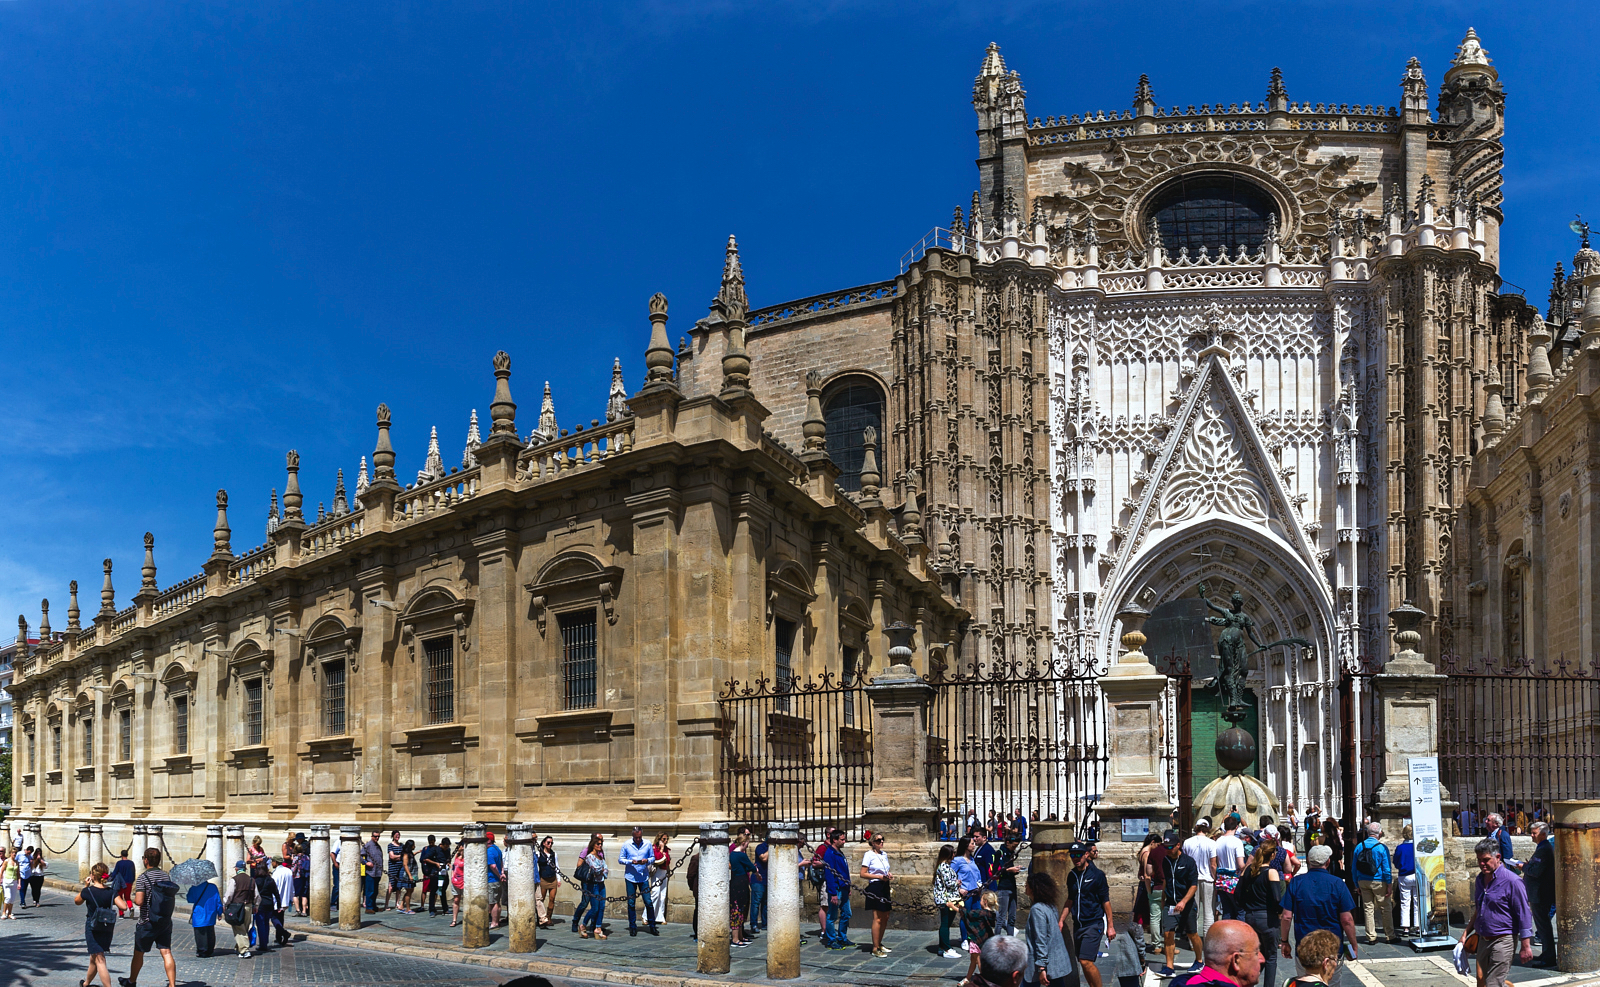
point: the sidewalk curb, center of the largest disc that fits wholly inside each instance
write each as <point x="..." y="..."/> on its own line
<point x="330" y="936"/>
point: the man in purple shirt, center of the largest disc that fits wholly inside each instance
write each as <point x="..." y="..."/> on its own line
<point x="1500" y="916"/>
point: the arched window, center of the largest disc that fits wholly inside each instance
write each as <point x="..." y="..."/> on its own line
<point x="1214" y="211"/>
<point x="850" y="406"/>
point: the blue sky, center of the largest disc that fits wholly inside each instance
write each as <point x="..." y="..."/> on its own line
<point x="227" y="230"/>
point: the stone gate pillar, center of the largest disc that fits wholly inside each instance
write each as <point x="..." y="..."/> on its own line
<point x="1133" y="689"/>
<point x="321" y="875"/>
<point x="783" y="901"/>
<point x="214" y="853"/>
<point x="1408" y="693"/>
<point x="522" y="889"/>
<point x="899" y="801"/>
<point x="715" y="935"/>
<point x="83" y="852"/>
<point x="350" y="898"/>
<point x="475" y="884"/>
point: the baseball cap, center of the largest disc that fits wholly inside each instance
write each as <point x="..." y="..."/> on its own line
<point x="1320" y="855"/>
<point x="1202" y="823"/>
<point x="1078" y="848"/>
<point x="1173" y="838"/>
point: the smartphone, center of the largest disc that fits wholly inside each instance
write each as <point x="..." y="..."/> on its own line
<point x="1349" y="950"/>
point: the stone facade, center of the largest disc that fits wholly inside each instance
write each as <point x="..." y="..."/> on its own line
<point x="541" y="633"/>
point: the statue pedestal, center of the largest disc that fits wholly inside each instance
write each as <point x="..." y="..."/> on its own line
<point x="1135" y="788"/>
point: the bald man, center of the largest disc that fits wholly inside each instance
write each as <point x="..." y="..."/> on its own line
<point x="1232" y="957"/>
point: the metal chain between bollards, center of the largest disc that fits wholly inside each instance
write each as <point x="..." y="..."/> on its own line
<point x="53" y="849"/>
<point x="578" y="886"/>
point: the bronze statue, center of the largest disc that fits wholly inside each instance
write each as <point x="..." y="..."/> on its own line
<point x="1232" y="659"/>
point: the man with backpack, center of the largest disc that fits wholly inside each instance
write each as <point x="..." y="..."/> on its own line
<point x="154" y="892"/>
<point x="1373" y="876"/>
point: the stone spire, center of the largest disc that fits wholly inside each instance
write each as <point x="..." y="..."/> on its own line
<point x="473" y="441"/>
<point x="815" y="427"/>
<point x="22" y="635"/>
<point x="548" y="430"/>
<point x="272" y="513"/>
<point x="433" y="464"/>
<point x="322" y="512"/>
<point x="1144" y="98"/>
<point x="731" y="297"/>
<point x="1414" y="94"/>
<point x="147" y="573"/>
<point x="1494" y="408"/>
<point x="617" y="403"/>
<point x="341" y="500"/>
<point x="911" y="515"/>
<point x="502" y="410"/>
<point x="383" y="455"/>
<point x="1277" y="93"/>
<point x="73" y="613"/>
<point x="221" y="534"/>
<point x="658" y="356"/>
<point x="44" y="620"/>
<point x="291" y="489"/>
<point x="1470" y="51"/>
<point x="108" y="596"/>
<point x="974" y="219"/>
<point x="361" y="478"/>
<point x="1557" y="313"/>
<point x="1539" y="371"/>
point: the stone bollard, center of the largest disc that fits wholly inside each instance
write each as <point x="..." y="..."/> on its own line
<point x="97" y="844"/>
<point x="152" y="838"/>
<point x="321" y="876"/>
<point x="215" y="854"/>
<point x="349" y="877"/>
<point x="522" y="888"/>
<point x="233" y="851"/>
<point x="783" y="902"/>
<point x="475" y="886"/>
<point x="715" y="933"/>
<point x="137" y="848"/>
<point x="1577" y="839"/>
<point x="83" y="852"/>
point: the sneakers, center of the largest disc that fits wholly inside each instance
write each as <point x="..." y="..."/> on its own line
<point x="951" y="954"/>
<point x="1196" y="968"/>
<point x="1166" y="973"/>
<point x="125" y="982"/>
<point x="835" y="944"/>
<point x="880" y="952"/>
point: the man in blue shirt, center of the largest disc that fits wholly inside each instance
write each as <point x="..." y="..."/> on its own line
<point x="1019" y="825"/>
<point x="1370" y="864"/>
<point x="497" y="882"/>
<point x="635" y="858"/>
<point x="983" y="855"/>
<point x="1317" y="900"/>
<point x="837" y="885"/>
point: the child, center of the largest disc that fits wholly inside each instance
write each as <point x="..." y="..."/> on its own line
<point x="980" y="926"/>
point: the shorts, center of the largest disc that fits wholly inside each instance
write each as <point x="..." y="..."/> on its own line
<point x="157" y="935"/>
<point x="497" y="892"/>
<point x="1087" y="941"/>
<point x="1185" y="923"/>
<point x="876" y="896"/>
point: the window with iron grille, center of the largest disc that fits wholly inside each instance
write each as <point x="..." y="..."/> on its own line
<point x="55" y="748"/>
<point x="441" y="679"/>
<point x="180" y="724"/>
<point x="579" y="667"/>
<point x="851" y="656"/>
<point x="252" y="712"/>
<point x="333" y="699"/>
<point x="1214" y="211"/>
<point x="33" y="765"/>
<point x="88" y="740"/>
<point x="848" y="410"/>
<point x="783" y="680"/>
<point x="125" y="735"/>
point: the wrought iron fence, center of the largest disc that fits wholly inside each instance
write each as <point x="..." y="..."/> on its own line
<point x="1177" y="751"/>
<point x="1511" y="731"/>
<point x="799" y="751"/>
<point x="1361" y="767"/>
<point x="1027" y="736"/>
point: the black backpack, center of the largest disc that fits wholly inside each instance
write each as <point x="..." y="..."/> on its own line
<point x="104" y="916"/>
<point x="1366" y="860"/>
<point x="159" y="897"/>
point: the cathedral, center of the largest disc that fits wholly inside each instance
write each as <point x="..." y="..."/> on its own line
<point x="1165" y="355"/>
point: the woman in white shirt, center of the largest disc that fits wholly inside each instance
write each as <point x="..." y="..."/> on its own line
<point x="875" y="871"/>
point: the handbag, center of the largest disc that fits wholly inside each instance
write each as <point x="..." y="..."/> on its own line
<point x="233" y="913"/>
<point x="583" y="873"/>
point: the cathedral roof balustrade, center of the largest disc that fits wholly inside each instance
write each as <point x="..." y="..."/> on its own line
<point x="1207" y="118"/>
<point x="331" y="533"/>
<point x="125" y="621"/>
<point x="181" y="596"/>
<point x="253" y="565"/>
<point x="572" y="452"/>
<point x="420" y="501"/>
<point x="826" y="304"/>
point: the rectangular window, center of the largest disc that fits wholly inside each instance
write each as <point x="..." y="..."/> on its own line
<point x="33" y="766"/>
<point x="55" y="748"/>
<point x="578" y="666"/>
<point x="783" y="681"/>
<point x="252" y="712"/>
<point x="180" y="724"/>
<point x="88" y="740"/>
<point x="333" y="699"/>
<point x="125" y="735"/>
<point x="441" y="679"/>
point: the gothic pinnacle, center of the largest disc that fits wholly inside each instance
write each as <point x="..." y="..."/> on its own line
<point x="108" y="596"/>
<point x="147" y="574"/>
<point x="502" y="411"/>
<point x="272" y="513"/>
<point x="617" y="401"/>
<point x="433" y="462"/>
<point x="815" y="427"/>
<point x="73" y="613"/>
<point x="870" y="478"/>
<point x="731" y="296"/>
<point x="361" y="478"/>
<point x="383" y="455"/>
<point x="473" y="441"/>
<point x="341" y="501"/>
